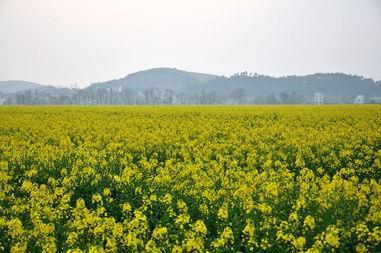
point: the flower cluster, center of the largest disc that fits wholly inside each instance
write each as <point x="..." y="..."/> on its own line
<point x="179" y="179"/>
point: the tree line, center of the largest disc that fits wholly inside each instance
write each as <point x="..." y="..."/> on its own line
<point x="153" y="96"/>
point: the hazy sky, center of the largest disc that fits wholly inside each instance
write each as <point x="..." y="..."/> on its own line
<point x="83" y="41"/>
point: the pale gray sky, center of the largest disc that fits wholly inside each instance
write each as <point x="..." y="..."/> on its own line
<point x="84" y="41"/>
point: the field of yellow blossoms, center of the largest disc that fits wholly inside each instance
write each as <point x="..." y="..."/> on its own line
<point x="200" y="179"/>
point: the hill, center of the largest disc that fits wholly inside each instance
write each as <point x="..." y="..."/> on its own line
<point x="337" y="87"/>
<point x="159" y="78"/>
<point x="15" y="86"/>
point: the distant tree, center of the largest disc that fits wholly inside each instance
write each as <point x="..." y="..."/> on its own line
<point x="238" y="95"/>
<point x="272" y="99"/>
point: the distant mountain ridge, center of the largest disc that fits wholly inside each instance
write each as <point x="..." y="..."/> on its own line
<point x="173" y="86"/>
<point x="14" y="86"/>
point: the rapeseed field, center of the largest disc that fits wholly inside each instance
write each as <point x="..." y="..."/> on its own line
<point x="190" y="179"/>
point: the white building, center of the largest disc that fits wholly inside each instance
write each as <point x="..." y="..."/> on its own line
<point x="318" y="98"/>
<point x="359" y="99"/>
